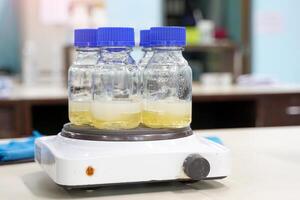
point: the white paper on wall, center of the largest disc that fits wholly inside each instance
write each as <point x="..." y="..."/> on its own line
<point x="54" y="12"/>
<point x="269" y="22"/>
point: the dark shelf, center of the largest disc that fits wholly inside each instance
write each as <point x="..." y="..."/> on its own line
<point x="216" y="46"/>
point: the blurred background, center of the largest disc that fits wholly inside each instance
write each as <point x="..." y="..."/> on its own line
<point x="244" y="56"/>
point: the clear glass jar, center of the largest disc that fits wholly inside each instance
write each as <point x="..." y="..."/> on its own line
<point x="80" y="76"/>
<point x="116" y="90"/>
<point x="167" y="81"/>
<point x="116" y="81"/>
<point x="80" y="85"/>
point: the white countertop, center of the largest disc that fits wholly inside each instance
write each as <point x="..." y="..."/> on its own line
<point x="20" y="92"/>
<point x="265" y="165"/>
<point x="200" y="90"/>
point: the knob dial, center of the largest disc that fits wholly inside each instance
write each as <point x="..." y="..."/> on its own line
<point x="196" y="167"/>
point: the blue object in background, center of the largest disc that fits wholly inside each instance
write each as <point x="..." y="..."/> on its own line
<point x="215" y="139"/>
<point x="18" y="150"/>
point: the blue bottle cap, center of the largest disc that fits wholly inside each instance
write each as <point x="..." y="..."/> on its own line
<point x="168" y="36"/>
<point x="145" y="38"/>
<point x="85" y="37"/>
<point x="115" y="36"/>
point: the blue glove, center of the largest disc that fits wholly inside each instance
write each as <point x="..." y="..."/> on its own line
<point x="18" y="150"/>
<point x="215" y="139"/>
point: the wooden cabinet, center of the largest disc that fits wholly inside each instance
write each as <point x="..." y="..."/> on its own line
<point x="218" y="110"/>
<point x="11" y="117"/>
<point x="279" y="110"/>
<point x="18" y="118"/>
<point x="223" y="114"/>
<point x="245" y="110"/>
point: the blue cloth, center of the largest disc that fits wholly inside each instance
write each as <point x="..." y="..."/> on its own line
<point x="18" y="150"/>
<point x="215" y="139"/>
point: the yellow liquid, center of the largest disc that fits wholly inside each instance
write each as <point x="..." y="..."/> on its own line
<point x="167" y="114"/>
<point x="116" y="114"/>
<point x="79" y="112"/>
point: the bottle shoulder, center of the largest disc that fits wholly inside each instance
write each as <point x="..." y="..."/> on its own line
<point x="101" y="68"/>
<point x="143" y="62"/>
<point x="111" y="62"/>
<point x="118" y="58"/>
<point x="86" y="58"/>
<point x="167" y="59"/>
<point x="171" y="65"/>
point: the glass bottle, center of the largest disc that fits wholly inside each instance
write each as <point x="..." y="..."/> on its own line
<point x="80" y="76"/>
<point x="148" y="53"/>
<point x="167" y="81"/>
<point x="116" y="86"/>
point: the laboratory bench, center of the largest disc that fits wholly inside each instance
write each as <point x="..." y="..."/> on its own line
<point x="46" y="108"/>
<point x="29" y="108"/>
<point x="265" y="165"/>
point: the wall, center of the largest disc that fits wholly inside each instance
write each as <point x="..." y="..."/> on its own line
<point x="9" y="36"/>
<point x="140" y="14"/>
<point x="233" y="19"/>
<point x="275" y="39"/>
<point x="50" y="40"/>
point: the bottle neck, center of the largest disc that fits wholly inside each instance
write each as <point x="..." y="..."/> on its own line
<point x="115" y="54"/>
<point x="148" y="52"/>
<point x="168" y="56"/>
<point x="147" y="49"/>
<point x="174" y="50"/>
<point x="87" y="50"/>
<point x="86" y="55"/>
<point x="168" y="48"/>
